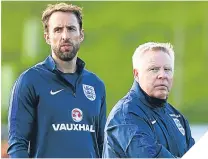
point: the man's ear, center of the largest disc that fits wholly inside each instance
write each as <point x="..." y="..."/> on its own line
<point x="81" y="35"/>
<point x="136" y="73"/>
<point x="47" y="39"/>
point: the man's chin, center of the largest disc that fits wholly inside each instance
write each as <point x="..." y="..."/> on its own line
<point x="66" y="56"/>
<point x="67" y="59"/>
<point x="161" y="94"/>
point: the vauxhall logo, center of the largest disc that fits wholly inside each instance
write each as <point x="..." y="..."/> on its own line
<point x="73" y="127"/>
<point x="77" y="116"/>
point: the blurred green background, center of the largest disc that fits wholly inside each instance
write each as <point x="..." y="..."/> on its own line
<point x="113" y="30"/>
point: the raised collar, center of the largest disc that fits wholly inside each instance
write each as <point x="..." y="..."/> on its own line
<point x="146" y="99"/>
<point x="51" y="65"/>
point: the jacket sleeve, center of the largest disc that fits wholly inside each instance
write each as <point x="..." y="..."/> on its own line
<point x="21" y="117"/>
<point x="102" y="121"/>
<point x="133" y="139"/>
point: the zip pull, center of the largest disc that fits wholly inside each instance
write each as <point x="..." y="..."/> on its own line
<point x="74" y="94"/>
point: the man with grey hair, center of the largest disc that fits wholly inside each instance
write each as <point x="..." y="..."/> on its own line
<point x="143" y="124"/>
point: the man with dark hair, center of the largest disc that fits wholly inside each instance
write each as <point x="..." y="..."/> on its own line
<point x="57" y="107"/>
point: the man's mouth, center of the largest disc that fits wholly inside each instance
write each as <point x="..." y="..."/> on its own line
<point x="162" y="85"/>
<point x="66" y="45"/>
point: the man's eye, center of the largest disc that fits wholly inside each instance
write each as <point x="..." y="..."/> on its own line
<point x="57" y="29"/>
<point x="71" y="28"/>
<point x="168" y="70"/>
<point x="154" y="69"/>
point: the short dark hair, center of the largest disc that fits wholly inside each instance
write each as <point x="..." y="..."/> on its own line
<point x="63" y="7"/>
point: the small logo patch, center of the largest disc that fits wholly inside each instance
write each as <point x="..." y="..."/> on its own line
<point x="77" y="115"/>
<point x="180" y="127"/>
<point x="89" y="92"/>
<point x="55" y="92"/>
<point x="153" y="122"/>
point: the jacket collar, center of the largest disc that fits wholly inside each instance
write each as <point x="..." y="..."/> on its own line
<point x="51" y="65"/>
<point x="145" y="98"/>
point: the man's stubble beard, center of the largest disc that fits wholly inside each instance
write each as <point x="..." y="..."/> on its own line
<point x="66" y="56"/>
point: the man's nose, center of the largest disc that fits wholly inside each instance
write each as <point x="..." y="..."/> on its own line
<point x="162" y="74"/>
<point x="65" y="34"/>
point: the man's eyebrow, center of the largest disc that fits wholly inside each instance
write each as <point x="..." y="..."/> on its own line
<point x="67" y="26"/>
<point x="71" y="26"/>
<point x="153" y="65"/>
<point x="58" y="27"/>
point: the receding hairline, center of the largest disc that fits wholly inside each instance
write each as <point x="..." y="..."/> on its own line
<point x="55" y="15"/>
<point x="64" y="8"/>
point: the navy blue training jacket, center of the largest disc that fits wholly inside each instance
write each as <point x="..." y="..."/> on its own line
<point x="51" y="118"/>
<point x="143" y="127"/>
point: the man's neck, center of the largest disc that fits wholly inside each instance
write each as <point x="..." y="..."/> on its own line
<point x="65" y="66"/>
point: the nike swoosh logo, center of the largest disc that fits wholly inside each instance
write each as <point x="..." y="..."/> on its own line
<point x="153" y="122"/>
<point x="53" y="93"/>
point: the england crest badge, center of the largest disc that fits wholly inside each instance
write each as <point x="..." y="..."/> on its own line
<point x="89" y="92"/>
<point x="180" y="127"/>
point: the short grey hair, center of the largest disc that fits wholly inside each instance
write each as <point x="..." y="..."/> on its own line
<point x="151" y="46"/>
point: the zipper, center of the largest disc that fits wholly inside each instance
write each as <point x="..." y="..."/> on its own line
<point x="74" y="92"/>
<point x="67" y="83"/>
<point x="173" y="135"/>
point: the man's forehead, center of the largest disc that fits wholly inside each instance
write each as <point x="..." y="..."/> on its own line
<point x="63" y="25"/>
<point x="63" y="18"/>
<point x="157" y="58"/>
<point x="156" y="55"/>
